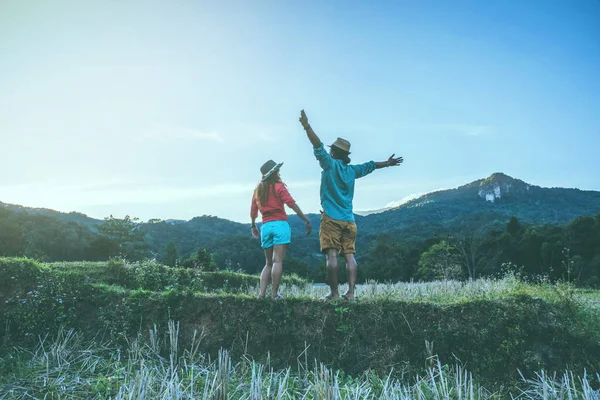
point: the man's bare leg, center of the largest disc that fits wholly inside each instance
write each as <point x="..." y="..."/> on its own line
<point x="278" y="256"/>
<point x="265" y="275"/>
<point x="351" y="268"/>
<point x="332" y="275"/>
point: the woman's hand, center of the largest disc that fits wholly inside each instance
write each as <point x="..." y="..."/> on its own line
<point x="255" y="232"/>
<point x="308" y="228"/>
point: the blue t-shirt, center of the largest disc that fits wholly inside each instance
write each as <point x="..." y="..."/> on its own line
<point x="337" y="184"/>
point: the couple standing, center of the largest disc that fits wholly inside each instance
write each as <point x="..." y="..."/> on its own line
<point x="338" y="229"/>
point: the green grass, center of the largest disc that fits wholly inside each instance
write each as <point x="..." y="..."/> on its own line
<point x="154" y="276"/>
<point x="228" y="282"/>
<point x="439" y="292"/>
<point x="495" y="327"/>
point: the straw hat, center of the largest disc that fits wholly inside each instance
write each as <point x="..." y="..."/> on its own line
<point x="342" y="144"/>
<point x="269" y="168"/>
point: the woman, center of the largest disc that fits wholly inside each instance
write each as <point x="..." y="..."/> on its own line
<point x="269" y="198"/>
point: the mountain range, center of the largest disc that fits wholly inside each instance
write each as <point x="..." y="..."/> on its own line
<point x="484" y="203"/>
<point x="479" y="206"/>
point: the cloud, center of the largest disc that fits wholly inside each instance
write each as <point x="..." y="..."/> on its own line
<point x="164" y="132"/>
<point x="303" y="184"/>
<point x="266" y="137"/>
<point x="412" y="196"/>
<point x="77" y="197"/>
<point x="464" y="129"/>
<point x="404" y="200"/>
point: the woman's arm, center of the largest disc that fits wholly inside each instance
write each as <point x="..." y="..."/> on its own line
<point x="253" y="216"/>
<point x="255" y="232"/>
<point x="303" y="217"/>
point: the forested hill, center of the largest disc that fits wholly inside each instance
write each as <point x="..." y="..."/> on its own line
<point x="73" y="216"/>
<point x="484" y="204"/>
<point x="473" y="209"/>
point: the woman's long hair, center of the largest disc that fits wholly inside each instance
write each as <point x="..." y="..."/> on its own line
<point x="265" y="188"/>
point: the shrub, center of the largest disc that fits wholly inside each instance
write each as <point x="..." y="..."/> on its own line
<point x="154" y="276"/>
<point x="18" y="275"/>
<point x="120" y="273"/>
<point x="494" y="336"/>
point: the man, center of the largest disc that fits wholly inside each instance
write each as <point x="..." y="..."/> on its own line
<point x="338" y="229"/>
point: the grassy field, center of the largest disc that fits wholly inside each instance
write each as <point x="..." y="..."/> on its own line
<point x="293" y="287"/>
<point x="70" y="330"/>
<point x="69" y="368"/>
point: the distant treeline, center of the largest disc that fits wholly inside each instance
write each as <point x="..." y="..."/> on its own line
<point x="570" y="252"/>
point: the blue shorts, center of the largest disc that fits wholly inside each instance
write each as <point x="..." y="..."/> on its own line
<point x="275" y="233"/>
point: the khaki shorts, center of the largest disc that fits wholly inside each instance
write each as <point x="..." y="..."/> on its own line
<point x="338" y="235"/>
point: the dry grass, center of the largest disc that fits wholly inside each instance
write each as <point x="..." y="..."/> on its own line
<point x="157" y="368"/>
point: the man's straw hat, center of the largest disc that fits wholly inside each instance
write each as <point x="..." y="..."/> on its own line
<point x="342" y="144"/>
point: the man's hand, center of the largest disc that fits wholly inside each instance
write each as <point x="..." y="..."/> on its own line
<point x="308" y="228"/>
<point x="304" y="119"/>
<point x="312" y="136"/>
<point x="255" y="232"/>
<point x="393" y="162"/>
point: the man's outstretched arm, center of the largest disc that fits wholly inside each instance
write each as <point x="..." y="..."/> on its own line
<point x="312" y="136"/>
<point x="365" y="169"/>
<point x="391" y="162"/>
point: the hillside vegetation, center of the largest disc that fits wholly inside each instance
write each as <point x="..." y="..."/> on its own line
<point x="481" y="228"/>
<point x="495" y="328"/>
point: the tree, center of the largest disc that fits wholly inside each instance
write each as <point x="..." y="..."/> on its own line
<point x="202" y="260"/>
<point x="441" y="261"/>
<point x="386" y="261"/>
<point x="123" y="237"/>
<point x="171" y="255"/>
<point x="514" y="226"/>
<point x="293" y="265"/>
<point x="470" y="245"/>
<point x="11" y="235"/>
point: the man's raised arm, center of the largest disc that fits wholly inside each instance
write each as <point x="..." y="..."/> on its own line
<point x="312" y="136"/>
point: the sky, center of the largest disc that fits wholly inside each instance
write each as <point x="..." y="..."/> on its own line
<point x="159" y="109"/>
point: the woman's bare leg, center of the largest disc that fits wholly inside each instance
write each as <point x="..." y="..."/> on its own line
<point x="266" y="272"/>
<point x="278" y="256"/>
